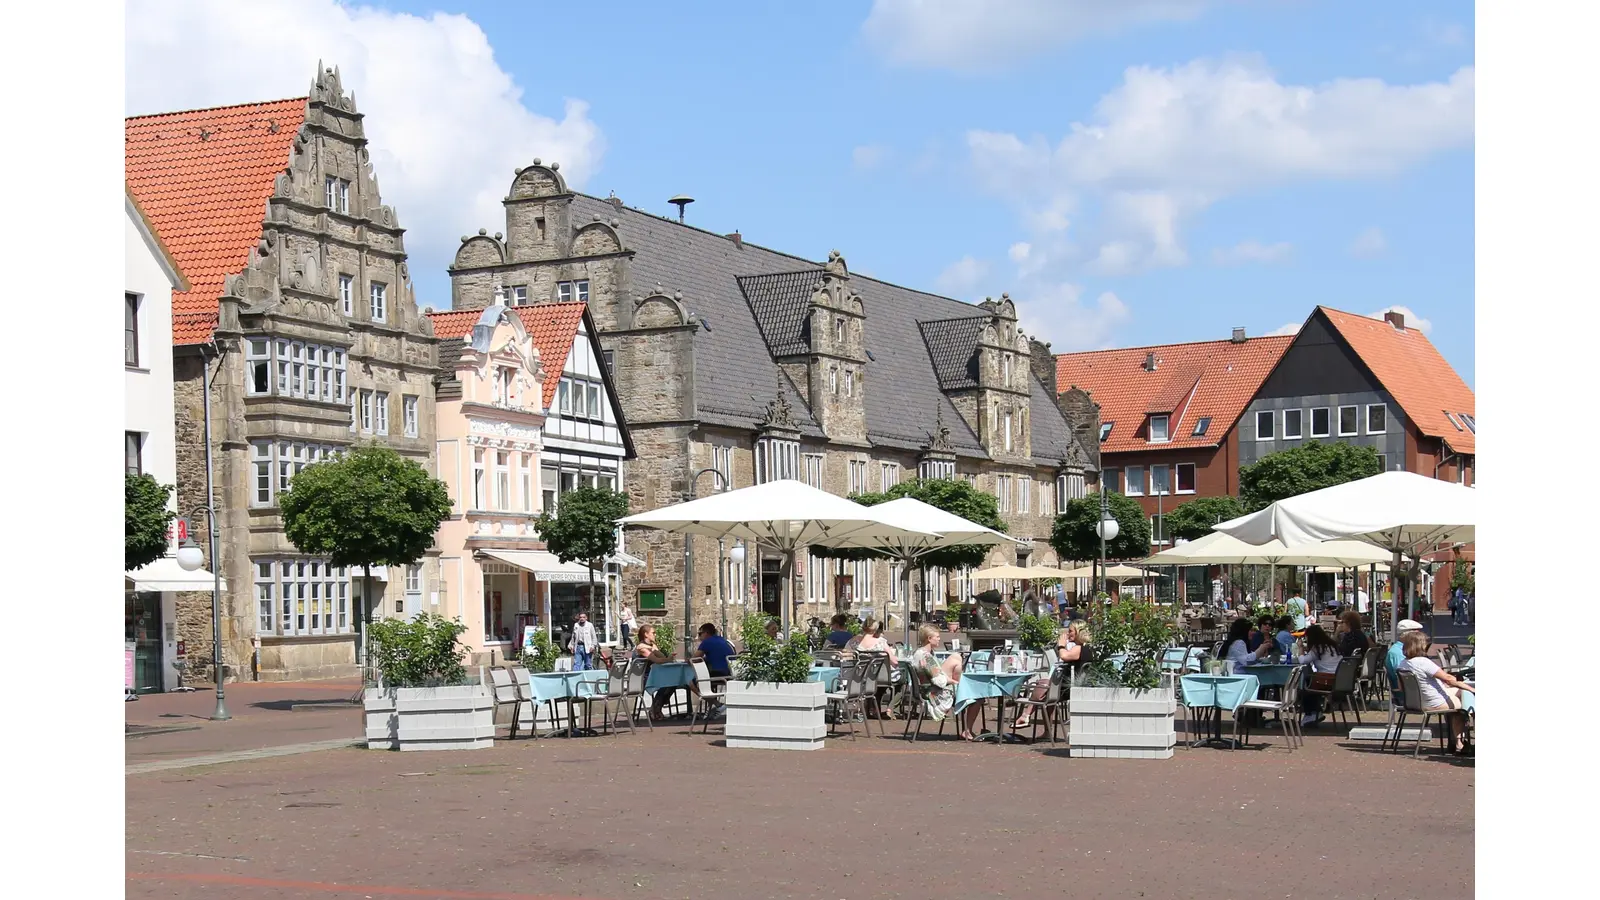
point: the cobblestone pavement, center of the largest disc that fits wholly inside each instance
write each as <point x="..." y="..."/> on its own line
<point x="666" y="814"/>
<point x="264" y="714"/>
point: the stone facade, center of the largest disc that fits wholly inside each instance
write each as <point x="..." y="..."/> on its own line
<point x="844" y="395"/>
<point x="281" y="317"/>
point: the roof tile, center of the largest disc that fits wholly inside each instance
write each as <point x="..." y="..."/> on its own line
<point x="553" y="327"/>
<point x="1412" y="370"/>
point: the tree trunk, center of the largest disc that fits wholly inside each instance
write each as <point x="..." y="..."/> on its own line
<point x="362" y="620"/>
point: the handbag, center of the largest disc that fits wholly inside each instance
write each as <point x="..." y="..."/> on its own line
<point x="1322" y="681"/>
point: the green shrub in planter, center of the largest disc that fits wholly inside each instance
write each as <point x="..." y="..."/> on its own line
<point x="421" y="652"/>
<point x="540" y="653"/>
<point x="764" y="660"/>
<point x="1134" y="628"/>
<point x="1037" y="633"/>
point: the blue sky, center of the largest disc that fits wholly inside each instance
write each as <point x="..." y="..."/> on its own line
<point x="1132" y="172"/>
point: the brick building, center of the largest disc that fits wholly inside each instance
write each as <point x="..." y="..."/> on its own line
<point x="763" y="365"/>
<point x="301" y="315"/>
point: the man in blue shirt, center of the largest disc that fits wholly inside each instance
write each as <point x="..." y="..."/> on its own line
<point x="715" y="650"/>
<point x="1397" y="655"/>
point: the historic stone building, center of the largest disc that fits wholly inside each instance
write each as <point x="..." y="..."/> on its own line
<point x="301" y="316"/>
<point x="762" y="365"/>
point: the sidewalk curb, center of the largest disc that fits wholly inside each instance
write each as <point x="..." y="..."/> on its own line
<point x="147" y="730"/>
<point x="165" y="765"/>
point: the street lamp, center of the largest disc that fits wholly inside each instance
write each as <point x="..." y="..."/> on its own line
<point x="1107" y="528"/>
<point x="736" y="555"/>
<point x="190" y="559"/>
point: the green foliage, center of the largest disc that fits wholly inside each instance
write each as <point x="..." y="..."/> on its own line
<point x="666" y="636"/>
<point x="1317" y="465"/>
<point x="1073" y="535"/>
<point x="146" y="519"/>
<point x="1134" y="628"/>
<point x="1193" y="520"/>
<point x="764" y="660"/>
<point x="1037" y="632"/>
<point x="584" y="525"/>
<point x="540" y="653"/>
<point x="953" y="495"/>
<point x="1464" y="578"/>
<point x="422" y="652"/>
<point x="369" y="507"/>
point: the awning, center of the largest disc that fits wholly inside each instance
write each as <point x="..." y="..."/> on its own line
<point x="543" y="564"/>
<point x="166" y="575"/>
<point x="623" y="558"/>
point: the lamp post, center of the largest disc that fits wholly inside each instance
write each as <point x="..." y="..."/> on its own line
<point x="190" y="559"/>
<point x="1108" y="529"/>
<point x="688" y="557"/>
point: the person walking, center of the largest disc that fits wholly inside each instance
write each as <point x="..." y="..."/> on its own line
<point x="582" y="643"/>
<point x="626" y="618"/>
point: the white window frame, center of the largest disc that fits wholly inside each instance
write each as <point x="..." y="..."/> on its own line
<point x="849" y="382"/>
<point x="262" y="475"/>
<point x="380" y="412"/>
<point x="1160" y="490"/>
<point x="888" y="474"/>
<point x="1105" y="430"/>
<point x="833" y="380"/>
<point x="936" y="468"/>
<point x="568" y="291"/>
<point x="1128" y="482"/>
<point x="1005" y="370"/>
<point x="1005" y="428"/>
<point x="564" y="396"/>
<point x="519" y="295"/>
<point x="502" y="480"/>
<point x="347" y="294"/>
<point x="1002" y="493"/>
<point x="366" y="412"/>
<point x="722" y="461"/>
<point x="525" y="481"/>
<point x="378" y="301"/>
<point x="479" y="479"/>
<point x="1272" y="424"/>
<point x="1177" y="478"/>
<point x="299" y="596"/>
<point x="776" y="459"/>
<point x="1355" y="412"/>
<point x="838" y="330"/>
<point x="857" y="476"/>
<point x="330" y="192"/>
<point x="1311" y="426"/>
<point x="1024" y="503"/>
<point x="1470" y="420"/>
<point x="1166" y="430"/>
<point x="408" y="412"/>
<point x="1300" y="426"/>
<point x="595" y="411"/>
<point x="1384" y="407"/>
<point x="258" y="358"/>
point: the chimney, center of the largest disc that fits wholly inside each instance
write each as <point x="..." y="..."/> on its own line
<point x="1238" y="336"/>
<point x="1397" y="319"/>
<point x="1150" y="362"/>
<point x="738" y="240"/>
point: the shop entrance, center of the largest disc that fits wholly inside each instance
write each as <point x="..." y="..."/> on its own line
<point x="142" y="626"/>
<point x="772" y="587"/>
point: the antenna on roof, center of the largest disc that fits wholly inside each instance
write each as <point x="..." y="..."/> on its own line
<point x="680" y="202"/>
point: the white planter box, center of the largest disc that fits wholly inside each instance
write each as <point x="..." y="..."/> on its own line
<point x="459" y="717"/>
<point x="771" y="716"/>
<point x="1123" y="724"/>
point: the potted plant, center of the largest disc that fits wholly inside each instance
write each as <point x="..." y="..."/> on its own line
<point x="424" y="699"/>
<point x="1120" y="708"/>
<point x="771" y="704"/>
<point x="1037" y="634"/>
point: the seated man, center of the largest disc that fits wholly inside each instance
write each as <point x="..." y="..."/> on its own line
<point x="1397" y="655"/>
<point x="715" y="650"/>
<point x="840" y="634"/>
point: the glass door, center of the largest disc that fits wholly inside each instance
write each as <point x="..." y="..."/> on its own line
<point x="142" y="625"/>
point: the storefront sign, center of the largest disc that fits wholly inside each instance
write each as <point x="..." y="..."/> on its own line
<point x="562" y="577"/>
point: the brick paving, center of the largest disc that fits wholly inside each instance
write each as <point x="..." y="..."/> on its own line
<point x="668" y="814"/>
<point x="263" y="716"/>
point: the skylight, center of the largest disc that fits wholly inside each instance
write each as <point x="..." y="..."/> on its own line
<point x="1201" y="426"/>
<point x="1105" y="430"/>
<point x="1453" y="421"/>
<point x="1472" y="423"/>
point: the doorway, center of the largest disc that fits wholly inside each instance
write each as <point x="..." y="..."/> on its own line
<point x="142" y="626"/>
<point x="772" y="587"/>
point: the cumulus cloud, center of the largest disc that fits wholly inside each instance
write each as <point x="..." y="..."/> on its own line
<point x="1369" y="243"/>
<point x="1057" y="313"/>
<point x="1252" y="252"/>
<point x="446" y="124"/>
<point x="970" y="35"/>
<point x="1412" y="319"/>
<point x="961" y="277"/>
<point x="868" y="156"/>
<point x="1288" y="328"/>
<point x="1166" y="144"/>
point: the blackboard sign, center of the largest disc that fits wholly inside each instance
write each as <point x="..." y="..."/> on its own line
<point x="652" y="598"/>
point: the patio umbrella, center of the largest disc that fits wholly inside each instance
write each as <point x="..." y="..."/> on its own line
<point x="923" y="529"/>
<point x="1400" y="512"/>
<point x="1220" y="547"/>
<point x="781" y="515"/>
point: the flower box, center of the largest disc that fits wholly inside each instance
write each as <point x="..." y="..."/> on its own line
<point x="765" y="715"/>
<point x="1122" y="723"/>
<point x="458" y="717"/>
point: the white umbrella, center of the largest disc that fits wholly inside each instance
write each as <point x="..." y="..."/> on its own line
<point x="782" y="515"/>
<point x="1219" y="547"/>
<point x="1398" y="511"/>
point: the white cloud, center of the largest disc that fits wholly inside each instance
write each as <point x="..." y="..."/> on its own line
<point x="1252" y="252"/>
<point x="1289" y="328"/>
<point x="961" y="277"/>
<point x="1369" y="243"/>
<point x="868" y="156"/>
<point x="1056" y="313"/>
<point x="970" y="35"/>
<point x="447" y="125"/>
<point x="1412" y="319"/>
<point x="1166" y="144"/>
<point x="1019" y="252"/>
<point x="1447" y="34"/>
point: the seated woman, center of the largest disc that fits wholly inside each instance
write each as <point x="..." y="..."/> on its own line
<point x="871" y="640"/>
<point x="840" y="634"/>
<point x="1352" y="639"/>
<point x="1322" y="655"/>
<point x="1236" y="646"/>
<point x="939" y="681"/>
<point x="645" y="647"/>
<point x="1072" y="651"/>
<point x="1260" y="631"/>
<point x="1285" y="638"/>
<point x="1440" y="689"/>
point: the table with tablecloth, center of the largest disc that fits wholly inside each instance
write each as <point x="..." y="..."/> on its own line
<point x="548" y="687"/>
<point x="1216" y="693"/>
<point x="828" y="675"/>
<point x="976" y="687"/>
<point x="1271" y="676"/>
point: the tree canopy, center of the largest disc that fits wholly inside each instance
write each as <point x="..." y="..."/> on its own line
<point x="1073" y="535"/>
<point x="1193" y="520"/>
<point x="953" y="495"/>
<point x="368" y="507"/>
<point x="584" y="525"/>
<point x="1317" y="465"/>
<point x="146" y="519"/>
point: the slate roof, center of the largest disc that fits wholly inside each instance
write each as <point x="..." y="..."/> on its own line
<point x="953" y="345"/>
<point x="735" y="375"/>
<point x="553" y="327"/>
<point x="1412" y="370"/>
<point x="1229" y="376"/>
<point x="779" y="303"/>
<point x="203" y="177"/>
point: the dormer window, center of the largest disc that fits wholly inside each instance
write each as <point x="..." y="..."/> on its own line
<point x="1201" y="425"/>
<point x="1105" y="430"/>
<point x="1158" y="429"/>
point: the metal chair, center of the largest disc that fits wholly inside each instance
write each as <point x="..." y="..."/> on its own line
<point x="1411" y="704"/>
<point x="917" y="698"/>
<point x="633" y="694"/>
<point x="616" y="689"/>
<point x="711" y="690"/>
<point x="1369" y="682"/>
<point x="524" y="682"/>
<point x="505" y="691"/>
<point x="852" y="693"/>
<point x="876" y="677"/>
<point x="1046" y="709"/>
<point x="1287" y="708"/>
<point x="1344" y="687"/>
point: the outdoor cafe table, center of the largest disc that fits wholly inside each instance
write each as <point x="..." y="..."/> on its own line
<point x="668" y="676"/>
<point x="549" y="687"/>
<point x="828" y="675"/>
<point x="1273" y="676"/>
<point x="1218" y="693"/>
<point x="975" y="687"/>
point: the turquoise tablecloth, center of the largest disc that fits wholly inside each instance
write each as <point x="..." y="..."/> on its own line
<point x="983" y="685"/>
<point x="1469" y="700"/>
<point x="549" y="686"/>
<point x="669" y="675"/>
<point x="828" y="675"/>
<point x="1271" y="676"/>
<point x="1176" y="659"/>
<point x="1222" y="691"/>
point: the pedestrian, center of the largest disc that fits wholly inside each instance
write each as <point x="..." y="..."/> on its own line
<point x="582" y="643"/>
<point x="626" y="618"/>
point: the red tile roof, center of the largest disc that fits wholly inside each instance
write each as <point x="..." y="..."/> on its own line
<point x="203" y="177"/>
<point x="553" y="327"/>
<point x="1411" y="369"/>
<point x="1229" y="376"/>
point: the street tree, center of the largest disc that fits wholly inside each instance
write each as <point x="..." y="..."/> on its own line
<point x="1315" y="466"/>
<point x="146" y="519"/>
<point x="1193" y="520"/>
<point x="1074" y="537"/>
<point x="583" y="527"/>
<point x="368" y="507"/>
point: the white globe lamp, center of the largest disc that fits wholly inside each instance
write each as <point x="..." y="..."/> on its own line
<point x="190" y="559"/>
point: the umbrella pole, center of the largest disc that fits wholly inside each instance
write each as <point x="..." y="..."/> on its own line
<point x="905" y="594"/>
<point x="787" y="593"/>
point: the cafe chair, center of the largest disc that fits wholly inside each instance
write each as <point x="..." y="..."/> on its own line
<point x="916" y="699"/>
<point x="1344" y="688"/>
<point x="1047" y="712"/>
<point x="711" y="695"/>
<point x="1287" y="708"/>
<point x="505" y="692"/>
<point x="613" y="691"/>
<point x="1411" y="704"/>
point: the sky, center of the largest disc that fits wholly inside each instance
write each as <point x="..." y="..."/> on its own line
<point x="1130" y="171"/>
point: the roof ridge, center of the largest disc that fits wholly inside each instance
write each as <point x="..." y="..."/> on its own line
<point x="180" y="112"/>
<point x="1261" y="337"/>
